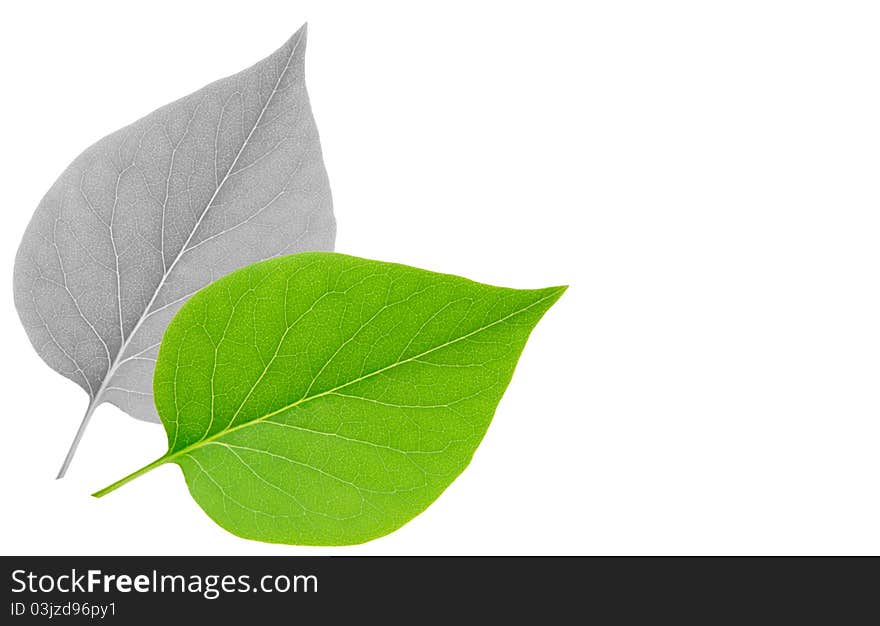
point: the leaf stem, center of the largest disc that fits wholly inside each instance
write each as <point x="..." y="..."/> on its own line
<point x="146" y="468"/>
<point x="93" y="404"/>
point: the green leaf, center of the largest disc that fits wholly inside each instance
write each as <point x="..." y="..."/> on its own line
<point x="324" y="399"/>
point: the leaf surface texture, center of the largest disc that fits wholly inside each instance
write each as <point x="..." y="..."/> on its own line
<point x="144" y="218"/>
<point x="325" y="399"/>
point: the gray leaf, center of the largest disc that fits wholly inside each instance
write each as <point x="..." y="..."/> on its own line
<point x="227" y="176"/>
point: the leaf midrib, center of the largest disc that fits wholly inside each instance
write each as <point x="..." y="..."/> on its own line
<point x="218" y="435"/>
<point x="118" y="360"/>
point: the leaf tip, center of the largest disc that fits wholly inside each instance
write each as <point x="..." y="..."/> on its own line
<point x="301" y="33"/>
<point x="557" y="291"/>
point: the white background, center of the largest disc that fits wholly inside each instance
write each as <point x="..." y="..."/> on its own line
<point x="705" y="176"/>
